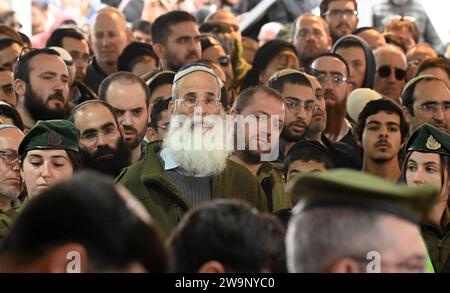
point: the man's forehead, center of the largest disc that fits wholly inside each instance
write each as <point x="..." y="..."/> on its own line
<point x="384" y="118"/>
<point x="183" y="28"/>
<point x="93" y="112"/>
<point x="329" y="64"/>
<point x="311" y="22"/>
<point x="38" y="62"/>
<point x="427" y="89"/>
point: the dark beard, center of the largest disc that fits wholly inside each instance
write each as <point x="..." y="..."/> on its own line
<point x="121" y="158"/>
<point x="250" y="157"/>
<point x="38" y="110"/>
<point x="287" y="136"/>
<point x="335" y="117"/>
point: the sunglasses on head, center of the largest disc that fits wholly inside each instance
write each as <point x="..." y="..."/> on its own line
<point x="385" y="71"/>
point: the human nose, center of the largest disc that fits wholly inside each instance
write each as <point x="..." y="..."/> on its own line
<point x="47" y="170"/>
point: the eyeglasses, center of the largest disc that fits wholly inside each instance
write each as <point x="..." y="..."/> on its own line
<point x="9" y="158"/>
<point x="294" y="106"/>
<point x="76" y="56"/>
<point x="386" y="70"/>
<point x="336" y="78"/>
<point x="90" y="136"/>
<point x="192" y="101"/>
<point x="337" y="13"/>
<point x="432" y="108"/>
<point x="303" y="33"/>
<point x="224" y="61"/>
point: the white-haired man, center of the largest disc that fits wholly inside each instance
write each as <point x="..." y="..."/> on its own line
<point x="191" y="166"/>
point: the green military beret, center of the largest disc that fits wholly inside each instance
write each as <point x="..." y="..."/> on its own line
<point x="349" y="188"/>
<point x="429" y="139"/>
<point x="51" y="134"/>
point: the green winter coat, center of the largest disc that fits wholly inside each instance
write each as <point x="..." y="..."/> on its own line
<point x="164" y="200"/>
<point x="6" y="219"/>
<point x="437" y="239"/>
<point x="272" y="184"/>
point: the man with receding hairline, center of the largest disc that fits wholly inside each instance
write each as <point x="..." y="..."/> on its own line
<point x="109" y="36"/>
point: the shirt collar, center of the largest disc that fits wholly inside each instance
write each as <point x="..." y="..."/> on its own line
<point x="169" y="162"/>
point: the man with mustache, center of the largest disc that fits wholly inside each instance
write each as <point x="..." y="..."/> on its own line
<point x="41" y="84"/>
<point x="341" y="15"/>
<point x="109" y="36"/>
<point x="381" y="131"/>
<point x="332" y="72"/>
<point x="191" y="166"/>
<point x="299" y="97"/>
<point x="264" y="110"/>
<point x="390" y="77"/>
<point x="10" y="180"/>
<point x="102" y="146"/>
<point x="426" y="99"/>
<point x="311" y="37"/>
<point x="342" y="155"/>
<point x="130" y="98"/>
<point x="176" y="39"/>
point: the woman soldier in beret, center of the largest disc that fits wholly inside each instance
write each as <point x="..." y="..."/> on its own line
<point x="427" y="160"/>
<point x="49" y="153"/>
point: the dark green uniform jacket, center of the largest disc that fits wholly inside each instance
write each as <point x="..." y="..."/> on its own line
<point x="273" y="187"/>
<point x="6" y="219"/>
<point x="437" y="239"/>
<point x="164" y="200"/>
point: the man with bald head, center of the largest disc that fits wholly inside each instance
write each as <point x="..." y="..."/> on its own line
<point x="391" y="71"/>
<point x="10" y="180"/>
<point x="311" y="37"/>
<point x="416" y="55"/>
<point x="227" y="18"/>
<point x="109" y="36"/>
<point x="373" y="37"/>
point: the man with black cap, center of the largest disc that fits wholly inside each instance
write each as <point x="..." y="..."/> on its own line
<point x="426" y="99"/>
<point x="347" y="221"/>
<point x="188" y="168"/>
<point x="427" y="160"/>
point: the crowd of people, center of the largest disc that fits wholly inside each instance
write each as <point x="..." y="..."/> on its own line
<point x="177" y="144"/>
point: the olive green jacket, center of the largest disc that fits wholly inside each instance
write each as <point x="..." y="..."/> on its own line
<point x="272" y="184"/>
<point x="6" y="219"/>
<point x="437" y="239"/>
<point x="164" y="200"/>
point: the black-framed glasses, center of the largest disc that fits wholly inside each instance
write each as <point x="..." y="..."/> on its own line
<point x="294" y="106"/>
<point x="386" y="70"/>
<point x="338" y="13"/>
<point x="336" y="78"/>
<point x="224" y="61"/>
<point x="433" y="108"/>
<point x="9" y="158"/>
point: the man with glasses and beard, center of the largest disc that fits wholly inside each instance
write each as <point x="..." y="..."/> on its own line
<point x="191" y="165"/>
<point x="391" y="71"/>
<point x="300" y="103"/>
<point x="41" y="84"/>
<point x="130" y="98"/>
<point x="332" y="72"/>
<point x="102" y="146"/>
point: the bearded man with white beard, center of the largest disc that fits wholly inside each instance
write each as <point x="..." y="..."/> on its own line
<point x="191" y="166"/>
